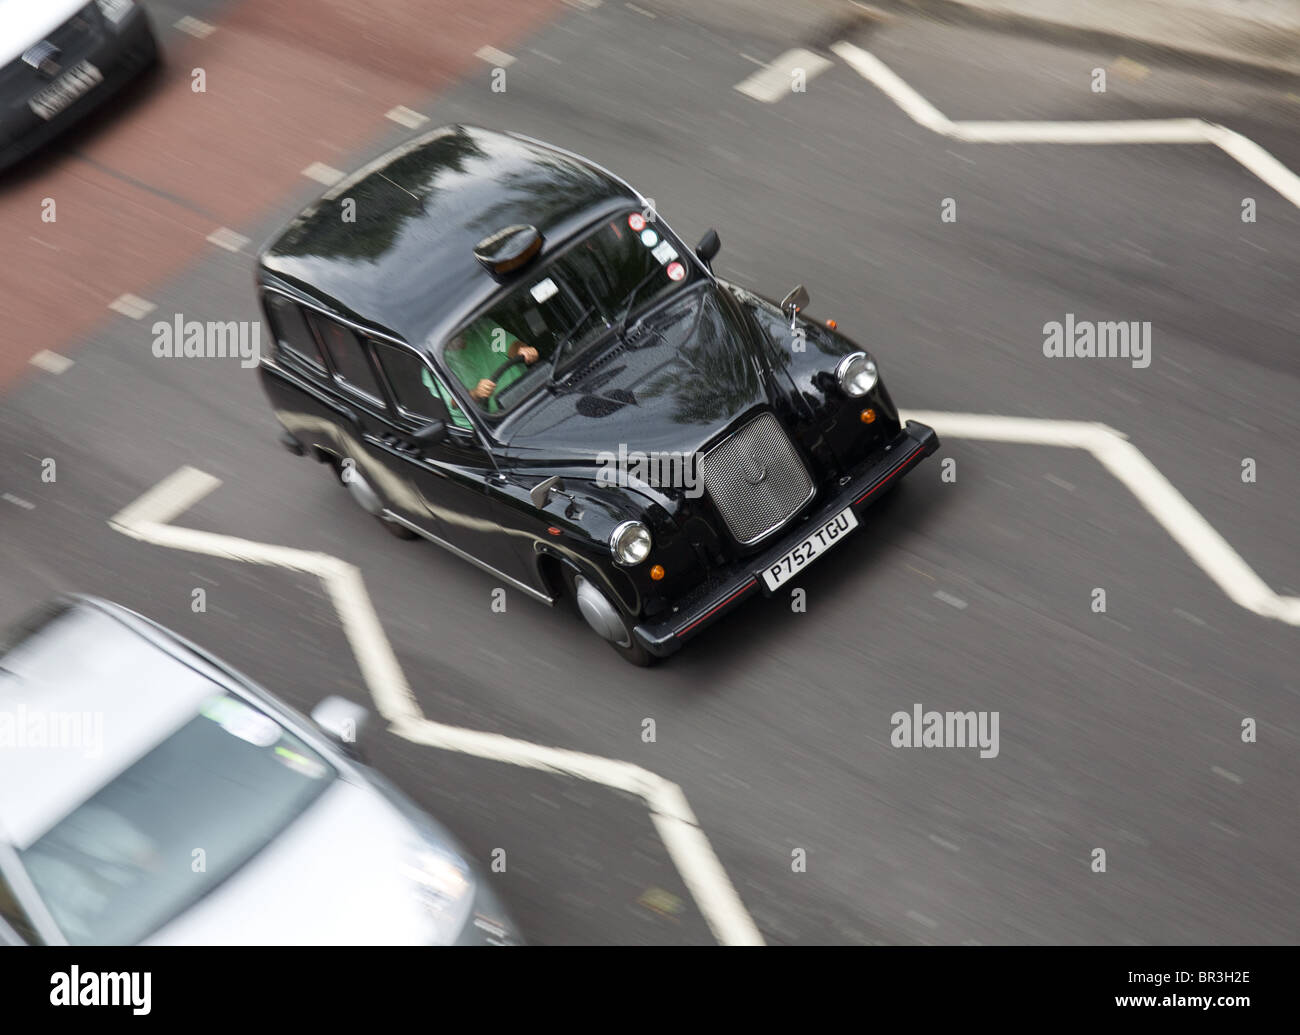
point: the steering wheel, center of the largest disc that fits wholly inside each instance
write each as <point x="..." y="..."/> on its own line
<point x="496" y="374"/>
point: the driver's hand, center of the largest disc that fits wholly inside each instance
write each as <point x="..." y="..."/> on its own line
<point x="527" y="353"/>
<point x="484" y="389"/>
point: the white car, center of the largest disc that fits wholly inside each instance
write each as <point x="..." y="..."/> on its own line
<point x="150" y="794"/>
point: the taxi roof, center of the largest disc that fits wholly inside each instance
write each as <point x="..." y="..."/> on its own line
<point x="403" y="259"/>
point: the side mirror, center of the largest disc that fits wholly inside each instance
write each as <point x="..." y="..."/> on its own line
<point x="342" y="721"/>
<point x="541" y="492"/>
<point x="434" y="431"/>
<point x="795" y="300"/>
<point x="708" y="247"/>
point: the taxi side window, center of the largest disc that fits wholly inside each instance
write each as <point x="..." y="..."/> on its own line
<point x="348" y="356"/>
<point x="292" y="334"/>
<point x="408" y="377"/>
<point x="15" y="916"/>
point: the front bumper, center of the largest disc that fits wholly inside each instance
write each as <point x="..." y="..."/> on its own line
<point x="738" y="583"/>
<point x="120" y="55"/>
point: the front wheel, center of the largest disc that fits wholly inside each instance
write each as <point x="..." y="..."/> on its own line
<point x="606" y="618"/>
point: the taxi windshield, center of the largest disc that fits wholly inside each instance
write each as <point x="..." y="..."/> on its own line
<point x="544" y="325"/>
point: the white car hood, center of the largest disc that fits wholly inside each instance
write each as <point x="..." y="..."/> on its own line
<point x="333" y="877"/>
<point x="24" y="22"/>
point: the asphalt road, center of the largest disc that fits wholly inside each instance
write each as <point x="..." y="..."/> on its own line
<point x="1119" y="731"/>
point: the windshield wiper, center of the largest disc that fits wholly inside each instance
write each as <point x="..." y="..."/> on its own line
<point x="621" y="324"/>
<point x="567" y="340"/>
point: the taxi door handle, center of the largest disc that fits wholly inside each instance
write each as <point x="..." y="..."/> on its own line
<point x="402" y="445"/>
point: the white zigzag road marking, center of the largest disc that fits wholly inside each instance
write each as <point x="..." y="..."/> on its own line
<point x="1136" y="131"/>
<point x="1165" y="503"/>
<point x="149" y="519"/>
<point x="1153" y="490"/>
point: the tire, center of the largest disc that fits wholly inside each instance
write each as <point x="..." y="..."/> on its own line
<point x="628" y="648"/>
<point x="365" y="497"/>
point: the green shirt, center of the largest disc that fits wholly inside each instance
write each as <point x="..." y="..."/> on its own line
<point x="477" y="360"/>
<point x="472" y="363"/>
<point x="435" y="389"/>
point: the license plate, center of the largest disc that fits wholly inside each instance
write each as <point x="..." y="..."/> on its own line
<point x="76" y="82"/>
<point x="816" y="544"/>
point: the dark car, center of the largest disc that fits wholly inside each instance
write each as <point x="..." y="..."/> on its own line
<point x="498" y="346"/>
<point x="61" y="59"/>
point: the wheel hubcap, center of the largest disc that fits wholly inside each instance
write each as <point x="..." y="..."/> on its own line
<point x="600" y="614"/>
<point x="362" y="492"/>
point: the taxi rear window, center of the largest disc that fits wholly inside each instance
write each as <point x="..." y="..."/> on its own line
<point x="292" y="334"/>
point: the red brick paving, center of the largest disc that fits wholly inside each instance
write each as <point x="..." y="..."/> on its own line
<point x="289" y="82"/>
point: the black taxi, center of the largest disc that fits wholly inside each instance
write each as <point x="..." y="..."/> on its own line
<point x="498" y="346"/>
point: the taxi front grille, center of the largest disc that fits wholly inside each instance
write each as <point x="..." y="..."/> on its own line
<point x="756" y="479"/>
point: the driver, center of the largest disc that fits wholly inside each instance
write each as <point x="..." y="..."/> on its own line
<point x="472" y="357"/>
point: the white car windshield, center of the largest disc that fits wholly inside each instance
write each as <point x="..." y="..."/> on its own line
<point x="175" y="824"/>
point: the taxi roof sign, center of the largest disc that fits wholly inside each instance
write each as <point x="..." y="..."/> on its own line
<point x="509" y="249"/>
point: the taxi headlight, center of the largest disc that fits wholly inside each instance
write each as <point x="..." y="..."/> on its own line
<point x="857" y="374"/>
<point x="630" y="543"/>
